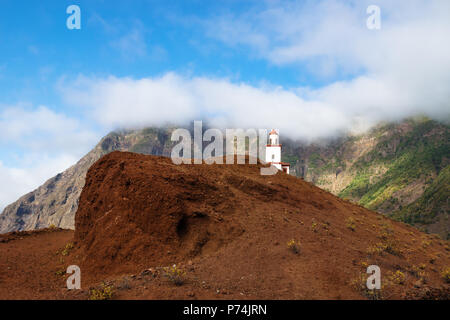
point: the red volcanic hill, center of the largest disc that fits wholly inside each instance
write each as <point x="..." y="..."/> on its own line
<point x="228" y="227"/>
<point x="233" y="225"/>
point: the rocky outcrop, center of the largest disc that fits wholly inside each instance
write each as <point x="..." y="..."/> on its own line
<point x="56" y="201"/>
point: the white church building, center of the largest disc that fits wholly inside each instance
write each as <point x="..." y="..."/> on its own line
<point x="273" y="152"/>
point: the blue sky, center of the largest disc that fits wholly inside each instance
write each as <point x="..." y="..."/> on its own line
<point x="38" y="49"/>
<point x="313" y="69"/>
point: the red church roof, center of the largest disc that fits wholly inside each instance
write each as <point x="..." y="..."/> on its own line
<point x="273" y="132"/>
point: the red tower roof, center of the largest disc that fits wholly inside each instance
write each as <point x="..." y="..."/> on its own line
<point x="273" y="132"/>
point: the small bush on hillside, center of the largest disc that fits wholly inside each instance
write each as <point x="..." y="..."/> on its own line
<point x="60" y="272"/>
<point x="175" y="274"/>
<point x="391" y="246"/>
<point x="387" y="246"/>
<point x="417" y="271"/>
<point x="426" y="243"/>
<point x="326" y="226"/>
<point x="388" y="243"/>
<point x="314" y="226"/>
<point x="294" y="246"/>
<point x="386" y="231"/>
<point x="397" y="277"/>
<point x="446" y="274"/>
<point x="105" y="292"/>
<point x="350" y="223"/>
<point x="67" y="249"/>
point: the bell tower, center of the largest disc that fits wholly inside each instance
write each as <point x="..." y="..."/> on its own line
<point x="273" y="152"/>
<point x="273" y="149"/>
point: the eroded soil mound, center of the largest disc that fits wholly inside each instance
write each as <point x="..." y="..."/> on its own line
<point x="231" y="226"/>
<point x="141" y="210"/>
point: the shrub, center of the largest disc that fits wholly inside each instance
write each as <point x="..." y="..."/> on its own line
<point x="175" y="274"/>
<point x="388" y="246"/>
<point x="391" y="246"/>
<point x="426" y="243"/>
<point x="60" y="272"/>
<point x="314" y="226"/>
<point x="105" y="292"/>
<point x="417" y="271"/>
<point x="350" y="223"/>
<point x="446" y="274"/>
<point x="397" y="277"/>
<point x="326" y="226"/>
<point x="386" y="232"/>
<point x="67" y="249"/>
<point x="388" y="243"/>
<point x="294" y="246"/>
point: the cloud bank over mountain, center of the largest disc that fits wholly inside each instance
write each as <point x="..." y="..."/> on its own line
<point x="398" y="71"/>
<point x="40" y="143"/>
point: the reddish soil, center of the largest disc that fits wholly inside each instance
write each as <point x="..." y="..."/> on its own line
<point x="29" y="263"/>
<point x="227" y="227"/>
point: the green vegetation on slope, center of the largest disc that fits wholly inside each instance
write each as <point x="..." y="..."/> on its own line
<point x="433" y="201"/>
<point x="417" y="156"/>
<point x="401" y="169"/>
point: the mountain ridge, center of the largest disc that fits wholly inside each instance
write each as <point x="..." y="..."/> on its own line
<point x="352" y="167"/>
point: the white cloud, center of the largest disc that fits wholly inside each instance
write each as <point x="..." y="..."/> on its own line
<point x="38" y="143"/>
<point x="300" y="113"/>
<point x="401" y="70"/>
<point x="17" y="181"/>
<point x="332" y="34"/>
<point x="41" y="129"/>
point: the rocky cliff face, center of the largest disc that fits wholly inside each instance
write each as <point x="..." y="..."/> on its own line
<point x="399" y="169"/>
<point x="56" y="201"/>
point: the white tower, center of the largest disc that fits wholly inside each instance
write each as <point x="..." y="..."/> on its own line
<point x="273" y="152"/>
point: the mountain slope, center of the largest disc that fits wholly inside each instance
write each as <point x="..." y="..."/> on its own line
<point x="400" y="169"/>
